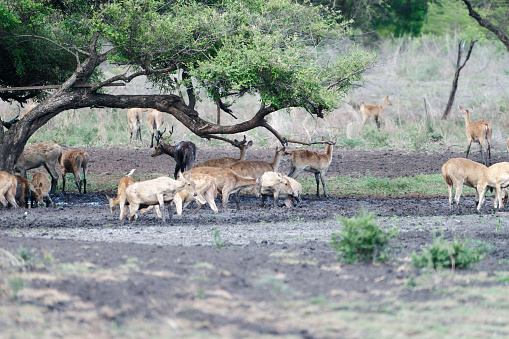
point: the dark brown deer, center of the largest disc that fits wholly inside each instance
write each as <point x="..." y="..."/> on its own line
<point x="75" y="162"/>
<point x="184" y="153"/>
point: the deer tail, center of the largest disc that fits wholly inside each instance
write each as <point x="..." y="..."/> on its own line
<point x="130" y="174"/>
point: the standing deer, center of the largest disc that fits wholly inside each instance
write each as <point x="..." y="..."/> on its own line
<point x="227" y="162"/>
<point x="458" y="172"/>
<point x="374" y="111"/>
<point x="23" y="190"/>
<point x="314" y="162"/>
<point x="206" y="189"/>
<point x="41" y="185"/>
<point x="184" y="154"/>
<point x="40" y="154"/>
<point x="75" y="162"/>
<point x="497" y="175"/>
<point x="480" y="132"/>
<point x="155" y="120"/>
<point x="134" y="116"/>
<point x="255" y="169"/>
<point x="8" y="185"/>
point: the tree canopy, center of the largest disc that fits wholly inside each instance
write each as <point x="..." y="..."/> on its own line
<point x="288" y="54"/>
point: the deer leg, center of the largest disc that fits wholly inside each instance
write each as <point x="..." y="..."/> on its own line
<point x="54" y="177"/>
<point x="77" y="181"/>
<point x="377" y="120"/>
<point x="276" y="198"/>
<point x="152" y="140"/>
<point x="84" y="182"/>
<point x="323" y="184"/>
<point x="237" y="200"/>
<point x="449" y="188"/>
<point x="459" y="189"/>
<point x="468" y="149"/>
<point x="63" y="183"/>
<point x="317" y="178"/>
<point x="263" y="200"/>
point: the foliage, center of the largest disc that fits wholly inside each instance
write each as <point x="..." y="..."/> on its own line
<point x="362" y="240"/>
<point x="455" y="254"/>
<point x="217" y="242"/>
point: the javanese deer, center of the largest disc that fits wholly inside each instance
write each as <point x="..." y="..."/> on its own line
<point x="155" y="120"/>
<point x="311" y="161"/>
<point x="206" y="190"/>
<point x="479" y="132"/>
<point x="23" y="190"/>
<point x="255" y="169"/>
<point x="75" y="162"/>
<point x="227" y="162"/>
<point x="497" y="175"/>
<point x="41" y="185"/>
<point x="184" y="154"/>
<point x="156" y="192"/>
<point x="458" y="172"/>
<point x="293" y="199"/>
<point x="134" y="116"/>
<point x="227" y="182"/>
<point x="8" y="185"/>
<point x="40" y="154"/>
<point x="275" y="185"/>
<point x="374" y="111"/>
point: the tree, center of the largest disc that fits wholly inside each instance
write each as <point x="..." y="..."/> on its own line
<point x="276" y="49"/>
<point x="495" y="19"/>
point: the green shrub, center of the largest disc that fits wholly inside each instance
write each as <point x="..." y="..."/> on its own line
<point x="362" y="240"/>
<point x="459" y="254"/>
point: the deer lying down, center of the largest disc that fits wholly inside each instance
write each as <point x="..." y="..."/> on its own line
<point x="75" y="162"/>
<point x="23" y="190"/>
<point x="497" y="175"/>
<point x="8" y="185"/>
<point x="273" y="184"/>
<point x="227" y="181"/>
<point x="459" y="171"/>
<point x="156" y="191"/>
<point x="40" y="154"/>
<point x="42" y="186"/>
<point x="206" y="190"/>
<point x="314" y="162"/>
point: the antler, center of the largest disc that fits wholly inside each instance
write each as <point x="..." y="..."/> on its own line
<point x="164" y="139"/>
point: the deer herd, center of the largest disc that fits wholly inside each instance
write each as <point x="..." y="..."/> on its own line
<point x="227" y="176"/>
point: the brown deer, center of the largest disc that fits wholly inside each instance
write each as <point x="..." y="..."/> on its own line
<point x="41" y="185"/>
<point x="75" y="162"/>
<point x="255" y="169"/>
<point x="479" y="132"/>
<point x="314" y="162"/>
<point x="157" y="192"/>
<point x="273" y="184"/>
<point x="227" y="162"/>
<point x="458" y="172"/>
<point x="184" y="154"/>
<point x="374" y="111"/>
<point x="206" y="189"/>
<point x="40" y="154"/>
<point x="8" y="185"/>
<point x="134" y="116"/>
<point x="227" y="182"/>
<point x="497" y="175"/>
<point x="155" y="120"/>
<point x="23" y="190"/>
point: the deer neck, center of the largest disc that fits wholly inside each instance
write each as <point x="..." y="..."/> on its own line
<point x="384" y="103"/>
<point x="467" y="120"/>
<point x="243" y="151"/>
<point x="277" y="160"/>
<point x="169" y="149"/>
<point x="245" y="182"/>
<point x="328" y="151"/>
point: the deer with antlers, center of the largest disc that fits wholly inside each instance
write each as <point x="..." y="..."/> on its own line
<point x="184" y="153"/>
<point x="310" y="161"/>
<point x="155" y="121"/>
<point x="374" y="111"/>
<point x="227" y="162"/>
<point x="479" y="132"/>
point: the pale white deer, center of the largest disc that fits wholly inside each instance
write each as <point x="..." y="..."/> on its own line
<point x="206" y="190"/>
<point x="275" y="185"/>
<point x="40" y="154"/>
<point x="8" y="185"/>
<point x="310" y="161"/>
<point x="374" y="111"/>
<point x="134" y="116"/>
<point x="497" y="175"/>
<point x="479" y="132"/>
<point x="155" y="121"/>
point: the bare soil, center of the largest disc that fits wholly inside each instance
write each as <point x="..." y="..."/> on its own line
<point x="228" y="274"/>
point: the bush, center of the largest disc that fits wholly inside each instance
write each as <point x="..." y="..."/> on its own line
<point x="460" y="254"/>
<point x="362" y="240"/>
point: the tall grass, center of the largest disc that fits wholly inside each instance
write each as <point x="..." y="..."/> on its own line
<point x="413" y="71"/>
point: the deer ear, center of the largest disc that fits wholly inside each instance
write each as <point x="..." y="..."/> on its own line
<point x="250" y="143"/>
<point x="189" y="176"/>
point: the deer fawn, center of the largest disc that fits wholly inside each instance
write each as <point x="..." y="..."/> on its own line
<point x="227" y="162"/>
<point x="459" y="171"/>
<point x="480" y="132"/>
<point x="41" y="185"/>
<point x="314" y="162"/>
<point x="374" y="111"/>
<point x="227" y="182"/>
<point x="40" y="154"/>
<point x="497" y="175"/>
<point x="75" y="162"/>
<point x="184" y="154"/>
<point x="157" y="192"/>
<point x="134" y="116"/>
<point x="8" y="185"/>
<point x="155" y="120"/>
<point x="255" y="169"/>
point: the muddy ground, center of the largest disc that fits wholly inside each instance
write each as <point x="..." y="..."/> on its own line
<point x="231" y="274"/>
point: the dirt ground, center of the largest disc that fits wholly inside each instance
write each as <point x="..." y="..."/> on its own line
<point x="256" y="272"/>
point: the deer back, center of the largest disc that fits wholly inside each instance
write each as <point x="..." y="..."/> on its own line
<point x="185" y="154"/>
<point x="37" y="154"/>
